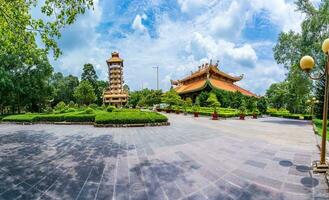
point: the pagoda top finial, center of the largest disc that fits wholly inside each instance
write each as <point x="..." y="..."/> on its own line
<point x="115" y="58"/>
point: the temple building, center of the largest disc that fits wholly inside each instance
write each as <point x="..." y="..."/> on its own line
<point x="115" y="94"/>
<point x="206" y="78"/>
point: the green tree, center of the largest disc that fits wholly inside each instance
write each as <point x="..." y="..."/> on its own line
<point x="25" y="69"/>
<point x="101" y="86"/>
<point x="262" y="105"/>
<point x="202" y="98"/>
<point x="63" y="87"/>
<point x="84" y="93"/>
<point x="277" y="94"/>
<point x="154" y="97"/>
<point x="89" y="74"/>
<point x="17" y="21"/>
<point x="213" y="101"/>
<point x="171" y="98"/>
<point x="292" y="46"/>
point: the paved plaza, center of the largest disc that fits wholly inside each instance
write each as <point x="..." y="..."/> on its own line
<point x="267" y="158"/>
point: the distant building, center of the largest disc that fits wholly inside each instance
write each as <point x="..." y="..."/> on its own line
<point x="115" y="94"/>
<point x="206" y="78"/>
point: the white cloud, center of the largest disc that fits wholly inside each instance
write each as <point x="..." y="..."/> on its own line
<point x="194" y="5"/>
<point x="137" y="23"/>
<point x="207" y="47"/>
<point x="212" y="31"/>
<point x="281" y="12"/>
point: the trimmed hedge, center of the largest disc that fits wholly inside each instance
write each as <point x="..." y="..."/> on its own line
<point x="130" y="118"/>
<point x="20" y="118"/>
<point x="101" y="117"/>
<point x="307" y="117"/>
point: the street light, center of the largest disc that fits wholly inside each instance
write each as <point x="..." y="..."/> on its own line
<point x="312" y="102"/>
<point x="307" y="64"/>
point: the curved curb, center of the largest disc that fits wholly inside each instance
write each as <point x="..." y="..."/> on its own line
<point x="92" y="123"/>
<point x="132" y="125"/>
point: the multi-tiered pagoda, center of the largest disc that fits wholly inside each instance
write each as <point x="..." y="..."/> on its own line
<point x="115" y="94"/>
<point x="206" y="78"/>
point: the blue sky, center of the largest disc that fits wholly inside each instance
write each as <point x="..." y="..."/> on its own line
<point x="179" y="35"/>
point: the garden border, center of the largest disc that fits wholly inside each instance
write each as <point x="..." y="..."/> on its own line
<point x="92" y="123"/>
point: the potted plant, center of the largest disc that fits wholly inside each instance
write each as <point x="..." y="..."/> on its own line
<point x="213" y="101"/>
<point x="255" y="113"/>
<point x="177" y="111"/>
<point x="187" y="103"/>
<point x="242" y="110"/>
<point x="196" y="110"/>
<point x="171" y="98"/>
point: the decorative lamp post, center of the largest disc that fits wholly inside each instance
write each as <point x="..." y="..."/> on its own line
<point x="312" y="102"/>
<point x="307" y="64"/>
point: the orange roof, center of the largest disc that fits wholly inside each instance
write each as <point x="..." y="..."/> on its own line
<point x="195" y="86"/>
<point x="218" y="84"/>
<point x="215" y="70"/>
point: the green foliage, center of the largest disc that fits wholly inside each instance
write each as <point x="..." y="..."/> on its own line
<point x="70" y="110"/>
<point x="171" y="98"/>
<point x="25" y="69"/>
<point x="262" y="105"/>
<point x="16" y="19"/>
<point x="93" y="106"/>
<point x="144" y="97"/>
<point x="110" y="108"/>
<point x="292" y="46"/>
<point x="188" y="101"/>
<point x="84" y="93"/>
<point x="20" y="118"/>
<point x="202" y="98"/>
<point x="60" y="106"/>
<point x="130" y="118"/>
<point x="242" y="108"/>
<point x="63" y="87"/>
<point x="213" y="102"/>
<point x="89" y="111"/>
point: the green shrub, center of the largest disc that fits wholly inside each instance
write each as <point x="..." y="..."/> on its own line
<point x="62" y="111"/>
<point x="70" y="110"/>
<point x="93" y="106"/>
<point x="20" y="118"/>
<point x="292" y="116"/>
<point x="130" y="118"/>
<point x="60" y="106"/>
<point x="79" y="118"/>
<point x="89" y="111"/>
<point x="307" y="117"/>
<point x="110" y="108"/>
<point x="50" y="118"/>
<point x="71" y="104"/>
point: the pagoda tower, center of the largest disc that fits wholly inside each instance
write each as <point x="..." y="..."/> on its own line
<point x="115" y="94"/>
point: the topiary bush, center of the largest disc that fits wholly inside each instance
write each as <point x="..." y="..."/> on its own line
<point x="110" y="108"/>
<point x="89" y="111"/>
<point x="60" y="106"/>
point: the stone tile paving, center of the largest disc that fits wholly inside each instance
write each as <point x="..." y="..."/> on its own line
<point x="267" y="158"/>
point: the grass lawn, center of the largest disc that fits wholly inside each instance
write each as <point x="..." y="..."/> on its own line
<point x="318" y="124"/>
<point x="118" y="116"/>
